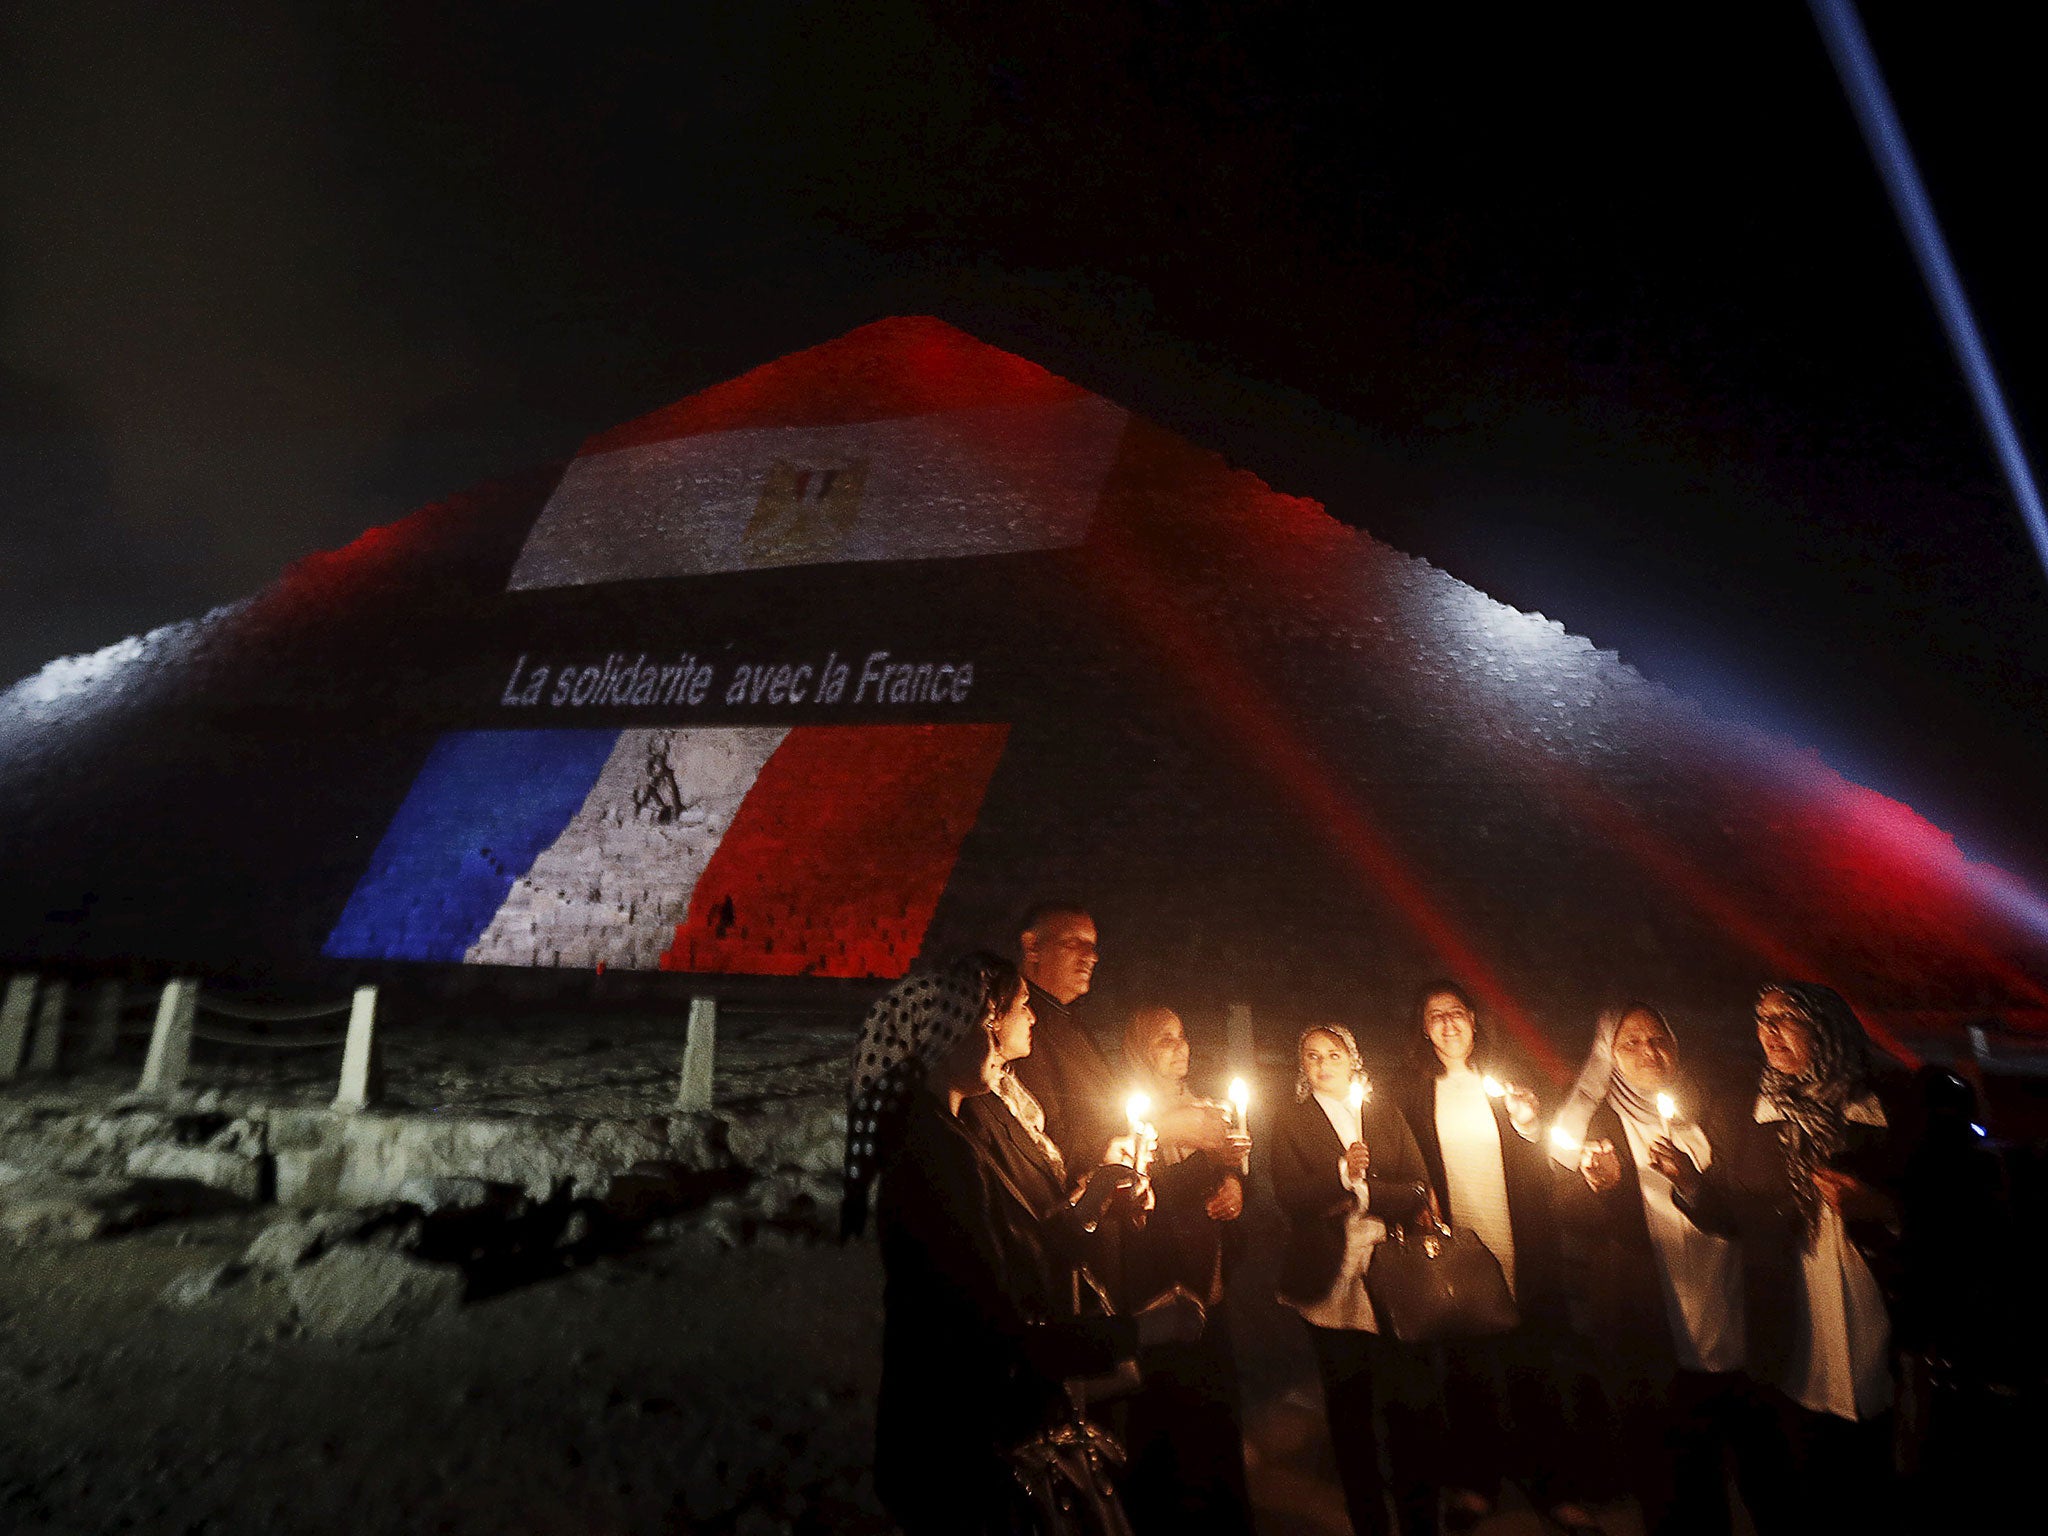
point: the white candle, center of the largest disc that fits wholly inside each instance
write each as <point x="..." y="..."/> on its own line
<point x="1241" y="1098"/>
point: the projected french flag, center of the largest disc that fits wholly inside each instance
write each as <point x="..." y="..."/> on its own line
<point x="814" y="851"/>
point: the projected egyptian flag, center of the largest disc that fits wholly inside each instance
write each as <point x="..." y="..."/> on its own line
<point x="817" y="851"/>
<point x="984" y="481"/>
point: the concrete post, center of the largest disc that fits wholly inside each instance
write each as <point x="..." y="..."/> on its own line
<point x="1240" y="1050"/>
<point x="17" y="1011"/>
<point x="694" y="1093"/>
<point x="49" y="1041"/>
<point x="170" y="1042"/>
<point x="103" y="1033"/>
<point x="358" y="1055"/>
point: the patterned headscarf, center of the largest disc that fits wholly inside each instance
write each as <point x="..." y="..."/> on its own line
<point x="1336" y="1032"/>
<point x="912" y="1025"/>
<point x="1813" y="1104"/>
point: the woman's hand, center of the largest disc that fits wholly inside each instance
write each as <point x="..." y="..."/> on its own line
<point x="1227" y="1204"/>
<point x="1676" y="1165"/>
<point x="1101" y="1185"/>
<point x="1357" y="1159"/>
<point x="1201" y="1125"/>
<point x="1851" y="1198"/>
<point x="1600" y="1165"/>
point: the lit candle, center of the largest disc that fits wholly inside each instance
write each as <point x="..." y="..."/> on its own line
<point x="1358" y="1104"/>
<point x="1492" y="1086"/>
<point x="1666" y="1108"/>
<point x="1563" y="1139"/>
<point x="1241" y="1098"/>
<point x="1136" y="1108"/>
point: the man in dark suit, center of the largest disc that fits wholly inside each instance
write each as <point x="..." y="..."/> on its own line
<point x="1065" y="1070"/>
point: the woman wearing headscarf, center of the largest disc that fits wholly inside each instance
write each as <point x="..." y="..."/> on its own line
<point x="1476" y="1128"/>
<point x="1807" y="1181"/>
<point x="1345" y="1168"/>
<point x="978" y="1330"/>
<point x="1182" y="1429"/>
<point x="1659" y="1299"/>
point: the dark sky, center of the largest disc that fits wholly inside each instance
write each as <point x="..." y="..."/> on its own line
<point x="1604" y="312"/>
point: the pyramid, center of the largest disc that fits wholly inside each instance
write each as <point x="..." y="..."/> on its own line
<point x="846" y="660"/>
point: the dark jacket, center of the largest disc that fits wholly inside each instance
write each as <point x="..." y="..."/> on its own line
<point x="1081" y="1097"/>
<point x="1304" y="1157"/>
<point x="1747" y="1194"/>
<point x="1526" y="1165"/>
<point x="1609" y="1264"/>
<point x="977" y="1328"/>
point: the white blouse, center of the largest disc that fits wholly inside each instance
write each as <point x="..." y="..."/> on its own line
<point x="1473" y="1166"/>
<point x="1699" y="1273"/>
<point x="1843" y="1363"/>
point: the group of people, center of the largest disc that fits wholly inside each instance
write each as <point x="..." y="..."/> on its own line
<point x="1701" y="1276"/>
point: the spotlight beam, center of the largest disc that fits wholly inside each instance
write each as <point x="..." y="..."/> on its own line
<point x="1855" y="63"/>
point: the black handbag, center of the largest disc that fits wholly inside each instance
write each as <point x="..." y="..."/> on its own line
<point x="1438" y="1283"/>
<point x="1063" y="1482"/>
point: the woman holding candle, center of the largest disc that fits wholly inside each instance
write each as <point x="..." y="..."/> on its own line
<point x="978" y="1332"/>
<point x="1344" y="1168"/>
<point x="1477" y="1130"/>
<point x="1807" y="1180"/>
<point x="1660" y="1299"/>
<point x="1185" y="1441"/>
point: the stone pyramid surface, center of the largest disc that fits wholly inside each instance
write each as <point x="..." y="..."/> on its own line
<point x="848" y="659"/>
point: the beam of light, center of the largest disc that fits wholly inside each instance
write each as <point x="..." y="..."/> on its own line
<point x="1856" y="64"/>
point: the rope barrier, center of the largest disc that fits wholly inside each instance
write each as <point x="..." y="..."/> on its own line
<point x="220" y="1036"/>
<point x="257" y="1013"/>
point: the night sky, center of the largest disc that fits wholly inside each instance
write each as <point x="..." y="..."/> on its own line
<point x="1604" y="313"/>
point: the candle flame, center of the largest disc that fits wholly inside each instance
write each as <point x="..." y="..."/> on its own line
<point x="1667" y="1106"/>
<point x="1240" y="1093"/>
<point x="1563" y="1139"/>
<point x="1492" y="1086"/>
<point x="1357" y="1093"/>
<point x="1137" y="1107"/>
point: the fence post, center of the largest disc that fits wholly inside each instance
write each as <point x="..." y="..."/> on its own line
<point x="170" y="1042"/>
<point x="694" y="1092"/>
<point x="1238" y="1045"/>
<point x="17" y="1008"/>
<point x="103" y="1034"/>
<point x="359" y="1054"/>
<point x="49" y="1041"/>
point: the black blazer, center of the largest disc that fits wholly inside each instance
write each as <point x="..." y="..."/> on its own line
<point x="1609" y="1264"/>
<point x="1303" y="1162"/>
<point x="1747" y="1194"/>
<point x="1526" y="1165"/>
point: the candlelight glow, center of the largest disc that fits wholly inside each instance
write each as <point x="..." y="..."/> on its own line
<point x="1240" y="1096"/>
<point x="1563" y="1140"/>
<point x="1492" y="1086"/>
<point x="1137" y="1107"/>
<point x="1357" y="1093"/>
<point x="1667" y="1107"/>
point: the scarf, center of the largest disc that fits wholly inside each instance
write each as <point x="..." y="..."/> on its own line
<point x="910" y="1026"/>
<point x="1812" y="1107"/>
<point x="1601" y="1082"/>
<point x="1338" y="1031"/>
<point x="1023" y="1104"/>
